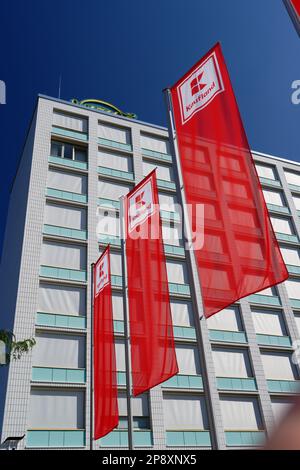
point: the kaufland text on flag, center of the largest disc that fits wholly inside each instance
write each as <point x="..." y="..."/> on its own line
<point x="240" y="255"/>
<point x="106" y="415"/>
<point x="153" y="358"/>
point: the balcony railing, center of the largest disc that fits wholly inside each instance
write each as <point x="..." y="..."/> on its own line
<point x="119" y="438"/>
<point x="283" y="386"/>
<point x="65" y="232"/>
<point x="281" y="209"/>
<point x="184" y="381"/>
<point x="188" y="438"/>
<point x="68" y="133"/>
<point x="114" y="144"/>
<point x="55" y="374"/>
<point x="124" y="175"/>
<point x="60" y="321"/>
<point x="55" y="438"/>
<point x="228" y="336"/>
<point x="68" y="163"/>
<point x="66" y="195"/>
<point x="264" y="299"/>
<point x="272" y="340"/>
<point x="157" y="155"/>
<point x="245" y="384"/>
<point x="270" y="182"/>
<point x="62" y="273"/>
<point x="245" y="438"/>
<point x="286" y="237"/>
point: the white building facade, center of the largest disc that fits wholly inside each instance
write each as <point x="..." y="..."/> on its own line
<point x="236" y="373"/>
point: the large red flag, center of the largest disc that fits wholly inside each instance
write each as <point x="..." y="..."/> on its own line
<point x="153" y="357"/>
<point x="106" y="415"/>
<point x="293" y="8"/>
<point x="240" y="254"/>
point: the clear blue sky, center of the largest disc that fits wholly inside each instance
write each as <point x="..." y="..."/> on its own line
<point x="127" y="51"/>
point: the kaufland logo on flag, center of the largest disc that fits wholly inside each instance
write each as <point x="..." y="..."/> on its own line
<point x="141" y="205"/>
<point x="200" y="88"/>
<point x="102" y="276"/>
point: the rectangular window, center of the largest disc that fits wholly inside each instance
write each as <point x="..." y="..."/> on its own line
<point x="140" y="411"/>
<point x="113" y="191"/>
<point x="64" y="181"/>
<point x="240" y="414"/>
<point x="280" y="407"/>
<point x="278" y="366"/>
<point x="120" y="355"/>
<point x="117" y="303"/>
<point x="186" y="413"/>
<point x="68" y="151"/>
<point x="114" y="133"/>
<point x="115" y="161"/>
<point x="281" y="225"/>
<point x="156" y="144"/>
<point x="265" y="171"/>
<point x="291" y="256"/>
<point x="70" y="121"/>
<point x="273" y="197"/>
<point x="297" y="320"/>
<point x="268" y="323"/>
<point x="228" y="320"/>
<point x="293" y="288"/>
<point x="296" y="200"/>
<point x="172" y="235"/>
<point x="182" y="313"/>
<point x="167" y="202"/>
<point x="63" y="255"/>
<point x="108" y="223"/>
<point x="57" y="350"/>
<point x="232" y="363"/>
<point x="65" y="216"/>
<point x="56" y="409"/>
<point x="188" y="360"/>
<point x="292" y="177"/>
<point x="59" y="299"/>
<point x="163" y="172"/>
<point x="177" y="272"/>
<point x="115" y="263"/>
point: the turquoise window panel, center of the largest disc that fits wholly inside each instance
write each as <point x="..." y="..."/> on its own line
<point x="62" y="273"/>
<point x="295" y="303"/>
<point x="180" y="289"/>
<point x="228" y="336"/>
<point x="281" y="209"/>
<point x="65" y="232"/>
<point x="118" y="326"/>
<point x="68" y="133"/>
<point x="116" y="281"/>
<point x="283" y="386"/>
<point x="244" y="438"/>
<point x="271" y="340"/>
<point x="173" y="216"/>
<point x="298" y="213"/>
<point x="184" y="381"/>
<point x="121" y="378"/>
<point x="106" y="239"/>
<point x="184" y="332"/>
<point x="61" y="321"/>
<point x="236" y="383"/>
<point x="286" y="237"/>
<point x="55" y="438"/>
<point x="119" y="438"/>
<point x="68" y="163"/>
<point x="188" y="438"/>
<point x="54" y="374"/>
<point x="66" y="195"/>
<point x="166" y="184"/>
<point x="102" y="170"/>
<point x="295" y="187"/>
<point x="174" y="250"/>
<point x="115" y="145"/>
<point x="264" y="299"/>
<point x="293" y="269"/>
<point x="270" y="182"/>
<point x="157" y="155"/>
<point x="109" y="203"/>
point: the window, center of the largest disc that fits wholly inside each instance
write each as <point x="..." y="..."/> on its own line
<point x="177" y="272"/>
<point x="278" y="366"/>
<point x="265" y="171"/>
<point x="184" y="413"/>
<point x="56" y="409"/>
<point x="70" y="121"/>
<point x="228" y="320"/>
<point x="240" y="414"/>
<point x="293" y="288"/>
<point x="65" y="216"/>
<point x="115" y="263"/>
<point x="140" y="411"/>
<point x="114" y="133"/>
<point x="113" y="191"/>
<point x="269" y="291"/>
<point x="182" y="313"/>
<point x="232" y="362"/>
<point x="172" y="235"/>
<point x="268" y="323"/>
<point x="120" y="355"/>
<point x="163" y="172"/>
<point x="63" y="255"/>
<point x="108" y="223"/>
<point x="280" y="407"/>
<point x="57" y="350"/>
<point x="156" y="144"/>
<point x="115" y="161"/>
<point x="291" y="256"/>
<point x="297" y="320"/>
<point x="64" y="181"/>
<point x="167" y="202"/>
<point x="273" y="197"/>
<point x="117" y="303"/>
<point x="59" y="299"/>
<point x="188" y="360"/>
<point x="292" y="177"/>
<point x="296" y="200"/>
<point x="68" y="151"/>
<point x="281" y="225"/>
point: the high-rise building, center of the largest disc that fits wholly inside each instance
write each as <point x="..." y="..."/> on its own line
<point x="236" y="374"/>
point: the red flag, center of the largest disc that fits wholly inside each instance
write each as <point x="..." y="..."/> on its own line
<point x="293" y="8"/>
<point x="153" y="357"/>
<point x="106" y="415"/>
<point x="240" y="254"/>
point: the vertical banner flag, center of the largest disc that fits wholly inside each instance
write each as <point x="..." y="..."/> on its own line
<point x="293" y="8"/>
<point x="153" y="358"/>
<point x="240" y="254"/>
<point x="106" y="415"/>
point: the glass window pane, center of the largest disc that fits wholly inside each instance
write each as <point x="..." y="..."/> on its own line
<point x="56" y="149"/>
<point x="80" y="155"/>
<point x="68" y="153"/>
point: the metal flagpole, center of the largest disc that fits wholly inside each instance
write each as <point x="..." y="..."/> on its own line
<point x="92" y="360"/>
<point x="126" y="325"/>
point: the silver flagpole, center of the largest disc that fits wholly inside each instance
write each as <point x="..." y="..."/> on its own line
<point x="126" y="325"/>
<point x="92" y="360"/>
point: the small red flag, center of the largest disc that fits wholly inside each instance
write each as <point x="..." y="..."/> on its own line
<point x="153" y="357"/>
<point x="106" y="415"/>
<point x="240" y="254"/>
